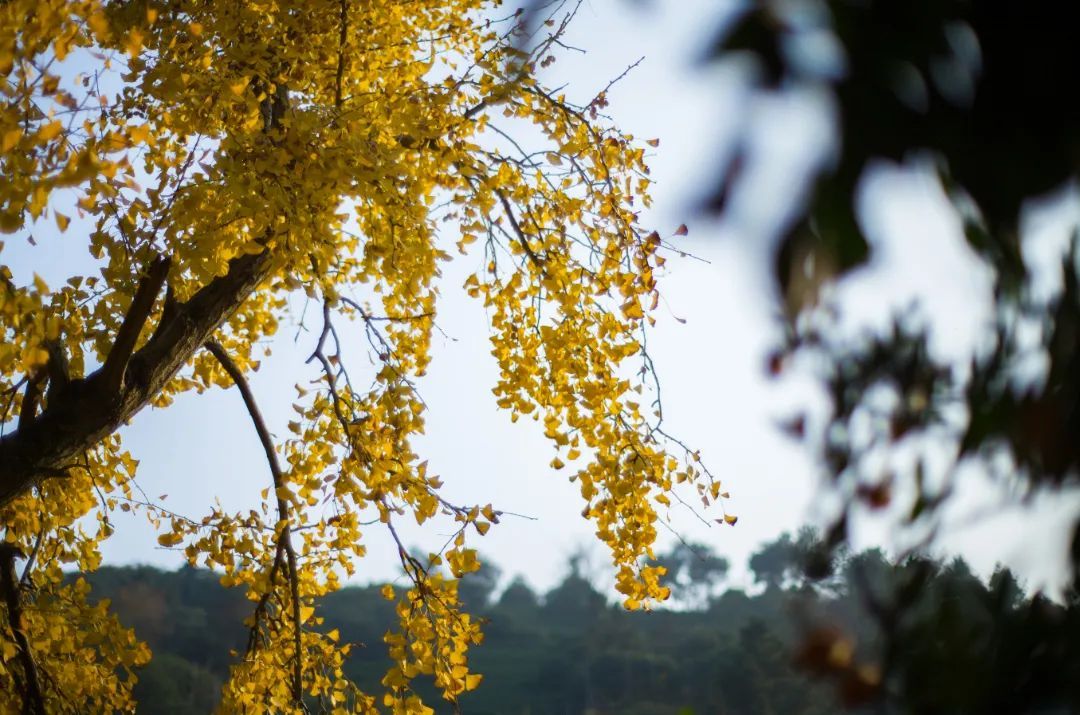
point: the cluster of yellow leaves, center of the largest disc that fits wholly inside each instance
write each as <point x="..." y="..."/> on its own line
<point x="89" y="657"/>
<point x="332" y="137"/>
<point x="433" y="640"/>
<point x="568" y="318"/>
<point x="39" y="151"/>
<point x="80" y="649"/>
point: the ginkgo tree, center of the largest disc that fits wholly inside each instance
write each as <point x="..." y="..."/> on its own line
<point x="220" y="157"/>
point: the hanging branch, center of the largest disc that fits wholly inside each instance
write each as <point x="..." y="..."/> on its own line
<point x="285" y="539"/>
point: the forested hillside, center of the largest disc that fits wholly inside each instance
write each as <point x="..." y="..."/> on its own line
<point x="794" y="647"/>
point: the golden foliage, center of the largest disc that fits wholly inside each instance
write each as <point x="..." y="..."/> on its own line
<point x="311" y="146"/>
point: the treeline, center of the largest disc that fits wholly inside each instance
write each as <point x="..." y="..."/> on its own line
<point x="819" y="633"/>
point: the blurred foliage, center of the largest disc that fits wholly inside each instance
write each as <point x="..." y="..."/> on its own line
<point x="982" y="92"/>
<point x="983" y="86"/>
<point x="961" y="645"/>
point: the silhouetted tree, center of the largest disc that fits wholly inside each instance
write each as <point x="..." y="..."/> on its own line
<point x="693" y="572"/>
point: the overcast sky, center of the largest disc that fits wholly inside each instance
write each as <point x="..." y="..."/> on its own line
<point x="715" y="391"/>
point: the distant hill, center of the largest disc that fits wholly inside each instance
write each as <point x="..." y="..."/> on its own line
<point x="568" y="652"/>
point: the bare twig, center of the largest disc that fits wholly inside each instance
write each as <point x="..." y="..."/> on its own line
<point x="24" y="580"/>
<point x="517" y="230"/>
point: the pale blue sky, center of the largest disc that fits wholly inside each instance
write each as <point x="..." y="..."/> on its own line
<point x="715" y="391"/>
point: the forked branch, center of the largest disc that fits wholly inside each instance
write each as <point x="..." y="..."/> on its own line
<point x="79" y="418"/>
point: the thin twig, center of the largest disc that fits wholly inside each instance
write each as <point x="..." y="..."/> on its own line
<point x="24" y="580"/>
<point x="517" y="230"/>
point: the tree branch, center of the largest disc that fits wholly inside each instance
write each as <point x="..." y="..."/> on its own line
<point x="89" y="411"/>
<point x="33" y="700"/>
<point x="31" y="397"/>
<point x="285" y="539"/>
<point x="28" y="567"/>
<point x="58" y="368"/>
<point x="343" y="21"/>
<point x="517" y="230"/>
<point x="92" y="409"/>
<point x="142" y="304"/>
